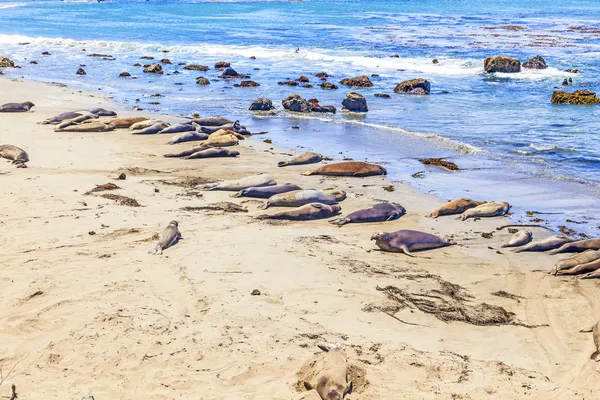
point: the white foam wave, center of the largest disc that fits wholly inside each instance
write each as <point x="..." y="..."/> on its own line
<point x="11" y="5"/>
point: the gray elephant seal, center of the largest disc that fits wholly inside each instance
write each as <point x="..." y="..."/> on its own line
<point x="520" y="238"/>
<point x="213" y="152"/>
<point x="243" y="183"/>
<point x="267" y="191"/>
<point x="93" y="127"/>
<point x="101" y="112"/>
<point x="378" y="213"/>
<point x="306" y="212"/>
<point x="188" y="137"/>
<point x="578" y="246"/>
<point x="348" y="168"/>
<point x="127" y="122"/>
<point x="143" y="124"/>
<point x="17" y="155"/>
<point x="457" y="206"/>
<point x="153" y="129"/>
<point x="491" y="209"/>
<point x="62" y="117"/>
<point x="549" y="243"/>
<point x="212" y="121"/>
<point x="328" y="374"/>
<point x="186" y="153"/>
<point x="16" y="107"/>
<point x="167" y="238"/>
<point x="234" y="126"/>
<point x="574" y="260"/>
<point x="178" y="129"/>
<point x="75" y="121"/>
<point x="406" y="241"/>
<point x="301" y="197"/>
<point x="304" y="158"/>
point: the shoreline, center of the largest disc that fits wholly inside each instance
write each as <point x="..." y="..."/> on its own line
<point x="116" y="322"/>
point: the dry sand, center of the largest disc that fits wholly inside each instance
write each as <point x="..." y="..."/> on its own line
<point x="95" y="314"/>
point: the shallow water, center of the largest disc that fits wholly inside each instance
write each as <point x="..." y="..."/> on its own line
<point x="516" y="145"/>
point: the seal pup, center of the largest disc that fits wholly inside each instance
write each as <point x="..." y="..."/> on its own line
<point x="178" y="128"/>
<point x="328" y="374"/>
<point x="153" y="129"/>
<point x="520" y="238"/>
<point x="101" y="112"/>
<point x="62" y="117"/>
<point x="578" y="246"/>
<point x="124" y="123"/>
<point x="549" y="243"/>
<point x="212" y="121"/>
<point x="576" y="259"/>
<point x="491" y="209"/>
<point x="306" y="212"/>
<point x="16" y="107"/>
<point x="15" y="154"/>
<point x="457" y="206"/>
<point x="406" y="241"/>
<point x="93" y="127"/>
<point x="267" y="191"/>
<point x="348" y="168"/>
<point x="304" y="158"/>
<point x="167" y="238"/>
<point x="301" y="197"/>
<point x="242" y="183"/>
<point x="212" y="152"/>
<point x="596" y="337"/>
<point x="188" y="137"/>
<point x="380" y="212"/>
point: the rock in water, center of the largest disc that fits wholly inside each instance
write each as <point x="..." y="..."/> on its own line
<point x="355" y="102"/>
<point x="316" y="107"/>
<point x="296" y="103"/>
<point x="202" y="81"/>
<point x="414" y="86"/>
<point x="328" y="86"/>
<point x="501" y="64"/>
<point x="221" y="65"/>
<point x="81" y="71"/>
<point x="196" y="67"/>
<point x="359" y="81"/>
<point x="578" y="97"/>
<point x="6" y="62"/>
<point x="536" y="62"/>
<point x="261" y="104"/>
<point x="124" y="74"/>
<point x="154" y="69"/>
<point x="230" y="73"/>
<point x="247" y="84"/>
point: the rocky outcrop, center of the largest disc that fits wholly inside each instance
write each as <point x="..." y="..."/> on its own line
<point x="230" y="73"/>
<point x="316" y="107"/>
<point x="196" y="67"/>
<point x="322" y="75"/>
<point x="359" y="81"/>
<point x="288" y="83"/>
<point x="202" y="81"/>
<point x="296" y="103"/>
<point x="247" y="84"/>
<point x="124" y="74"/>
<point x="165" y="61"/>
<point x="572" y="71"/>
<point x="6" y="62"/>
<point x="536" y="62"/>
<point x="383" y="95"/>
<point x="328" y="86"/>
<point x="261" y="104"/>
<point x="303" y="79"/>
<point x="146" y="58"/>
<point x="501" y="64"/>
<point x="435" y="61"/>
<point x="414" y="86"/>
<point x="221" y="65"/>
<point x="578" y="97"/>
<point x="355" y="102"/>
<point x="81" y="71"/>
<point x="154" y="69"/>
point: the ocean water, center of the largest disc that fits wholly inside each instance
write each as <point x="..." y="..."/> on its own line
<point x="513" y="143"/>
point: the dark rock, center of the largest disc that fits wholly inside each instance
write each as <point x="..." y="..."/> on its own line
<point x="316" y="107"/>
<point x="166" y="61"/>
<point x="137" y="65"/>
<point x="221" y="65"/>
<point x="355" y="102"/>
<point x="247" y="84"/>
<point x="328" y="86"/>
<point x="501" y="64"/>
<point x="435" y="61"/>
<point x="419" y="91"/>
<point x="449" y="165"/>
<point x="255" y="292"/>
<point x="252" y="58"/>
<point x="202" y="81"/>
<point x="154" y="69"/>
<point x="565" y="82"/>
<point x="80" y="71"/>
<point x="536" y="62"/>
<point x="261" y="104"/>
<point x="395" y="56"/>
<point x="230" y="73"/>
<point x="146" y="58"/>
<point x="122" y="176"/>
<point x="124" y="74"/>
<point x="196" y="67"/>
<point x="307" y="86"/>
<point x="176" y="72"/>
<point x="414" y="86"/>
<point x="288" y="83"/>
<point x="573" y="71"/>
<point x="103" y="56"/>
<point x="383" y="95"/>
<point x="46" y="54"/>
<point x="359" y="81"/>
<point x="374" y="75"/>
<point x="303" y="79"/>
<point x="296" y="103"/>
<point x="579" y="97"/>
<point x="33" y="62"/>
<point x="322" y="75"/>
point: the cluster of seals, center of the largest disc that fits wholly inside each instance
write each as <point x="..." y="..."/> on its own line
<point x="15" y="154"/>
<point x="575" y="260"/>
<point x="407" y="241"/>
<point x="349" y="168"/>
<point x="167" y="238"/>
<point x="16" y="107"/>
<point x="549" y="243"/>
<point x="380" y="212"/>
<point x="94" y="112"/>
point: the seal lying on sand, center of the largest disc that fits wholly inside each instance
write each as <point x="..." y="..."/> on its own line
<point x="226" y="132"/>
<point x="221" y="141"/>
<point x="167" y="238"/>
<point x="549" y="243"/>
<point x="143" y="124"/>
<point x="17" y="155"/>
<point x="152" y="129"/>
<point x="63" y="117"/>
<point x="242" y="183"/>
<point x="596" y="336"/>
<point x="306" y="212"/>
<point x="405" y="241"/>
<point x="457" y="206"/>
<point x="578" y="246"/>
<point x="101" y="112"/>
<point x="188" y="137"/>
<point x="519" y="239"/>
<point x="75" y="121"/>
<point x="235" y="126"/>
<point x="16" y="107"/>
<point x="267" y="191"/>
<point x="93" y="127"/>
<point x="378" y="213"/>
<point x="304" y="158"/>
<point x="212" y="121"/>
<point x="124" y="123"/>
<point x="348" y="168"/>
<point x="301" y="197"/>
<point x="574" y="260"/>
<point x="580" y="269"/>
<point x="328" y="374"/>
<point x="178" y="128"/>
<point x="213" y="152"/>
<point x="491" y="209"/>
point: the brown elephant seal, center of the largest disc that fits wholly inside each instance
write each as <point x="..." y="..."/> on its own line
<point x="212" y="152"/>
<point x="301" y="197"/>
<point x="242" y="183"/>
<point x="406" y="241"/>
<point x="102" y="112"/>
<point x="328" y="373"/>
<point x="580" y="269"/>
<point x="152" y="129"/>
<point x="267" y="191"/>
<point x="306" y="212"/>
<point x="125" y="123"/>
<point x="549" y="243"/>
<point x="212" y="121"/>
<point x="520" y="238"/>
<point x="221" y="141"/>
<point x="75" y="121"/>
<point x="143" y="124"/>
<point x="578" y="246"/>
<point x="576" y="259"/>
<point x="348" y="168"/>
<point x="380" y="212"/>
<point x="93" y="127"/>
<point x="16" y="107"/>
<point x="188" y="137"/>
<point x="15" y="154"/>
<point x="178" y="128"/>
<point x="491" y="209"/>
<point x="304" y="158"/>
<point x="457" y="206"/>
<point x="235" y="126"/>
<point x="63" y="117"/>
<point x="226" y="132"/>
<point x="596" y="337"/>
<point x="167" y="238"/>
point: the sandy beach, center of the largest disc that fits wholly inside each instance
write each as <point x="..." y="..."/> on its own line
<point x="86" y="311"/>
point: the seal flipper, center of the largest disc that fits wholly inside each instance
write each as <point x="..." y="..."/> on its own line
<point x="595" y="355"/>
<point x="405" y="250"/>
<point x="307" y="173"/>
<point x="591" y="329"/>
<point x="326" y="347"/>
<point x="339" y="221"/>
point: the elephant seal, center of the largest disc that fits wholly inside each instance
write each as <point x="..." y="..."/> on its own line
<point x="267" y="191"/>
<point x="235" y="126"/>
<point x="592" y="275"/>
<point x="188" y="137"/>
<point x="348" y="168"/>
<point x="75" y="121"/>
<point x="586" y="268"/>
<point x="378" y="213"/>
<point x="306" y="212"/>
<point x="212" y="121"/>
<point x="549" y="243"/>
<point x="101" y="112"/>
<point x="62" y="117"/>
<point x="406" y="241"/>
<point x="178" y="128"/>
<point x="304" y="158"/>
<point x="520" y="238"/>
<point x="124" y="123"/>
<point x="328" y="374"/>
<point x="212" y="152"/>
<point x="301" y="197"/>
<point x="242" y="183"/>
<point x="167" y="238"/>
<point x="143" y="124"/>
<point x="457" y="206"/>
<point x="16" y="107"/>
<point x="574" y="260"/>
<point x="491" y="209"/>
<point x="221" y="141"/>
<point x="186" y="153"/>
<point x="578" y="246"/>
<point x="226" y="132"/>
<point x="93" y="127"/>
<point x="15" y="154"/>
<point x="153" y="129"/>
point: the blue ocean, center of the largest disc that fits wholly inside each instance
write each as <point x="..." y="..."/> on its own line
<point x="501" y="129"/>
